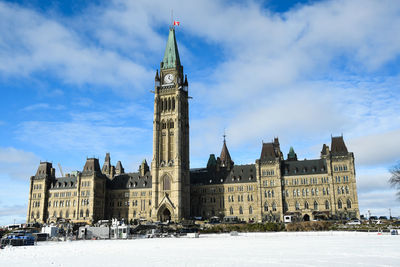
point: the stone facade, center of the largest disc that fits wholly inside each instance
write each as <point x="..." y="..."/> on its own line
<point x="264" y="191"/>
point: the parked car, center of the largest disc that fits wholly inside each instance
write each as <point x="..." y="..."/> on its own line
<point x="354" y="222"/>
<point x="383" y="218"/>
<point x="373" y="218"/>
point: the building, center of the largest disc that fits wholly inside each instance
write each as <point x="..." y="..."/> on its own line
<point x="264" y="191"/>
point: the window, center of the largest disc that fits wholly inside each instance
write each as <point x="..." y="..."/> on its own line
<point x="87" y="213"/>
<point x="339" y="204"/>
<point x="297" y="206"/>
<point x="240" y="210"/>
<point x="250" y="210"/>
<point x="347" y="189"/>
<point x="306" y="206"/>
<point x="348" y="204"/>
<point x="265" y="206"/>
<point x="166" y="183"/>
<point x="274" y="206"/>
<point x="315" y="205"/>
<point x="231" y="211"/>
<point x="327" y="204"/>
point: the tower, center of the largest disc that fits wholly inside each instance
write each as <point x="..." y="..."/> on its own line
<point x="170" y="163"/>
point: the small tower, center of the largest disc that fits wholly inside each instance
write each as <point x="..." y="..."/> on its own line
<point x="225" y="157"/>
<point x="291" y="155"/>
<point x="119" y="169"/>
<point x="143" y="168"/>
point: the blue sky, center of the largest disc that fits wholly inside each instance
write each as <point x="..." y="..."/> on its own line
<point x="75" y="81"/>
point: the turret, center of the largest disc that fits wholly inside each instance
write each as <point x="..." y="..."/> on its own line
<point x="143" y="168"/>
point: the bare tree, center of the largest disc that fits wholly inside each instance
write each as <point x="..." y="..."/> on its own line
<point x="395" y="178"/>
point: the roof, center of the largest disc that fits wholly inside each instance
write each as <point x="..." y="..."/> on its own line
<point x="68" y="182"/>
<point x="130" y="181"/>
<point x="338" y="147"/>
<point x="303" y="167"/>
<point x="171" y="55"/>
<point x="292" y="155"/>
<point x="225" y="157"/>
<point x="268" y="152"/>
<point x="238" y="174"/>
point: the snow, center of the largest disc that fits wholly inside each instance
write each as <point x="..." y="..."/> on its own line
<point x="246" y="249"/>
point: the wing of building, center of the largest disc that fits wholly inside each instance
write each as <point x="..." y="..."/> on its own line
<point x="267" y="190"/>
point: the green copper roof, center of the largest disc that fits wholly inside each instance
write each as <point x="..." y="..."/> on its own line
<point x="171" y="55"/>
<point x="291" y="154"/>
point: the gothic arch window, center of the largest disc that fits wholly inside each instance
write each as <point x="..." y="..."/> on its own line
<point x="67" y="214"/>
<point x="166" y="183"/>
<point x="315" y="205"/>
<point x="273" y="194"/>
<point x="339" y="204"/>
<point x="231" y="211"/>
<point x="327" y="205"/>
<point x="81" y="213"/>
<point x="173" y="103"/>
<point x="306" y="206"/>
<point x="171" y="124"/>
<point x="265" y="206"/>
<point x="163" y="125"/>
<point x="38" y="214"/>
<point x="169" y="103"/>
<point x="297" y="206"/>
<point x="32" y="215"/>
<point x="347" y="189"/>
<point x="240" y="210"/>
<point x="348" y="204"/>
<point x="87" y="213"/>
<point x="55" y="214"/>
<point x="74" y="213"/>
<point x="250" y="210"/>
<point x="274" y="206"/>
<point x="61" y="214"/>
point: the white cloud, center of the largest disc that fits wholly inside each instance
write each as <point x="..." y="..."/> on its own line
<point x="43" y="106"/>
<point x="17" y="164"/>
<point x="31" y="43"/>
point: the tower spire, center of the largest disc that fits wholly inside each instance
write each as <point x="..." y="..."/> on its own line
<point x="171" y="56"/>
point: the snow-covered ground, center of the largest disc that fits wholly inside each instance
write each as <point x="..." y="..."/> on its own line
<point x="247" y="249"/>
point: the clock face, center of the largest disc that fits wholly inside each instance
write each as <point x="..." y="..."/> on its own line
<point x="169" y="78"/>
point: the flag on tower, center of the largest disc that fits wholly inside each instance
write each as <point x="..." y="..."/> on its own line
<point x="176" y="23"/>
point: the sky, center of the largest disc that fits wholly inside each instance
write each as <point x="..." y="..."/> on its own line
<point x="75" y="81"/>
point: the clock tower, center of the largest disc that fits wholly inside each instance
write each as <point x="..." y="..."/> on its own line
<point x="170" y="163"/>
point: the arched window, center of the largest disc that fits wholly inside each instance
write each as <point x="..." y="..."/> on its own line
<point x="303" y="192"/>
<point x="173" y="103"/>
<point x="166" y="183"/>
<point x="348" y="204"/>
<point x="67" y="214"/>
<point x="250" y="210"/>
<point x="297" y="205"/>
<point x="339" y="204"/>
<point x="316" y="191"/>
<point x="81" y="213"/>
<point x="74" y="213"/>
<point x="32" y="215"/>
<point x="342" y="190"/>
<point x="87" y="213"/>
<point x="327" y="204"/>
<point x="273" y="194"/>
<point x="347" y="189"/>
<point x="231" y="210"/>
<point x="55" y="214"/>
<point x="274" y="206"/>
<point x="269" y="193"/>
<point x="171" y="124"/>
<point x="312" y="191"/>
<point x="61" y="214"/>
<point x="169" y="103"/>
<point x="306" y="206"/>
<point x="240" y="210"/>
<point x="265" y="206"/>
<point x="315" y="205"/>
<point x="163" y="125"/>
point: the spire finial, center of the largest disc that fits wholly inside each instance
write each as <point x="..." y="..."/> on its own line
<point x="224" y="135"/>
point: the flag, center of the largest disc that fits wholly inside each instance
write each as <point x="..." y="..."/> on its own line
<point x="176" y="23"/>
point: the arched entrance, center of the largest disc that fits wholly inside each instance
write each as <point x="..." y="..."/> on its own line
<point x="164" y="214"/>
<point x="306" y="218"/>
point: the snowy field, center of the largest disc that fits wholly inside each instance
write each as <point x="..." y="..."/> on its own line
<point x="251" y="249"/>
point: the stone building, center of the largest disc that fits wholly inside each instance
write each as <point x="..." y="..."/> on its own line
<point x="264" y="191"/>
